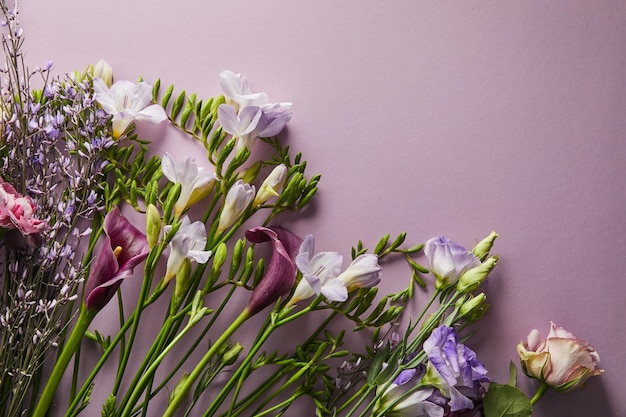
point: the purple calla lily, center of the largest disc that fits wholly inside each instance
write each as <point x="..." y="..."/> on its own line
<point x="124" y="248"/>
<point x="280" y="275"/>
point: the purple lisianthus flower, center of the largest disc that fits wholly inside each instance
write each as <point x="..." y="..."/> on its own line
<point x="124" y="248"/>
<point x="454" y="368"/>
<point x="280" y="274"/>
<point x="448" y="260"/>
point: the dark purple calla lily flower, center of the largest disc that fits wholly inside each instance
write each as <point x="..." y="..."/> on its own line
<point x="280" y="274"/>
<point x="124" y="248"/>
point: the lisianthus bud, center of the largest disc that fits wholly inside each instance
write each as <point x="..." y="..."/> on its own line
<point x="474" y="308"/>
<point x="561" y="360"/>
<point x="237" y="201"/>
<point x="272" y="185"/>
<point x="482" y="248"/>
<point x="448" y="260"/>
<point x="153" y="225"/>
<point x="472" y="279"/>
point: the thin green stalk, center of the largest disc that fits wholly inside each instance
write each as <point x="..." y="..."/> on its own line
<point x="543" y="388"/>
<point x="73" y="343"/>
<point x="146" y="379"/>
<point x="143" y="295"/>
<point x="204" y="362"/>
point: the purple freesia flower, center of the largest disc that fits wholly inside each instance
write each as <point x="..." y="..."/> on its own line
<point x="448" y="260"/>
<point x="405" y="398"/>
<point x="124" y="248"/>
<point x="280" y="274"/>
<point x="457" y="371"/>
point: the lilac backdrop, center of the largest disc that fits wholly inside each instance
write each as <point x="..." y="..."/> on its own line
<point x="450" y="118"/>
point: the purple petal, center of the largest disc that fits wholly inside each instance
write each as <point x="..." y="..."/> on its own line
<point x="280" y="274"/>
<point x="109" y="270"/>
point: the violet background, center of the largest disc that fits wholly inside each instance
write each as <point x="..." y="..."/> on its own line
<point x="450" y="118"/>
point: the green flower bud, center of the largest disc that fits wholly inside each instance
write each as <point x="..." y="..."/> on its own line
<point x="153" y="225"/>
<point x="474" y="308"/>
<point x="232" y="354"/>
<point x="472" y="278"/>
<point x="183" y="278"/>
<point x="249" y="175"/>
<point x="482" y="248"/>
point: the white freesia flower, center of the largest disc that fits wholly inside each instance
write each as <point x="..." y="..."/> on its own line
<point x="363" y="272"/>
<point x="188" y="243"/>
<point x="237" y="90"/>
<point x="237" y="201"/>
<point x="272" y="185"/>
<point x="196" y="182"/>
<point x="319" y="272"/>
<point x="127" y="102"/>
<point x="244" y="126"/>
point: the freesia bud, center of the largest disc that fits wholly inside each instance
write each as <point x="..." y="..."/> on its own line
<point x="561" y="360"/>
<point x="231" y="355"/>
<point x="153" y="225"/>
<point x="363" y="272"/>
<point x="472" y="279"/>
<point x="183" y="278"/>
<point x="272" y="185"/>
<point x="236" y="203"/>
<point x="482" y="248"/>
<point x="280" y="274"/>
<point x="249" y="174"/>
<point x="448" y="261"/>
<point x="103" y="71"/>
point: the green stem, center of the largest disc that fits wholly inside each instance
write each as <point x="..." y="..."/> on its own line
<point x="204" y="362"/>
<point x="73" y="343"/>
<point x="543" y="388"/>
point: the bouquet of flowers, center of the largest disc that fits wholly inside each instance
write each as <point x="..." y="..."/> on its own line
<point x="86" y="206"/>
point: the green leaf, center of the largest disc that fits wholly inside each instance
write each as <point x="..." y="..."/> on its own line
<point x="377" y="365"/>
<point x="512" y="375"/>
<point x="506" y="401"/>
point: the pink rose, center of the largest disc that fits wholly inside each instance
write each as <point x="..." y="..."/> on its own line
<point x="16" y="211"/>
<point x="561" y="360"/>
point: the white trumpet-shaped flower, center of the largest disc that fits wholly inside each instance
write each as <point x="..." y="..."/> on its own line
<point x="196" y="182"/>
<point x="127" y="102"/>
<point x="319" y="273"/>
<point x="189" y="242"/>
